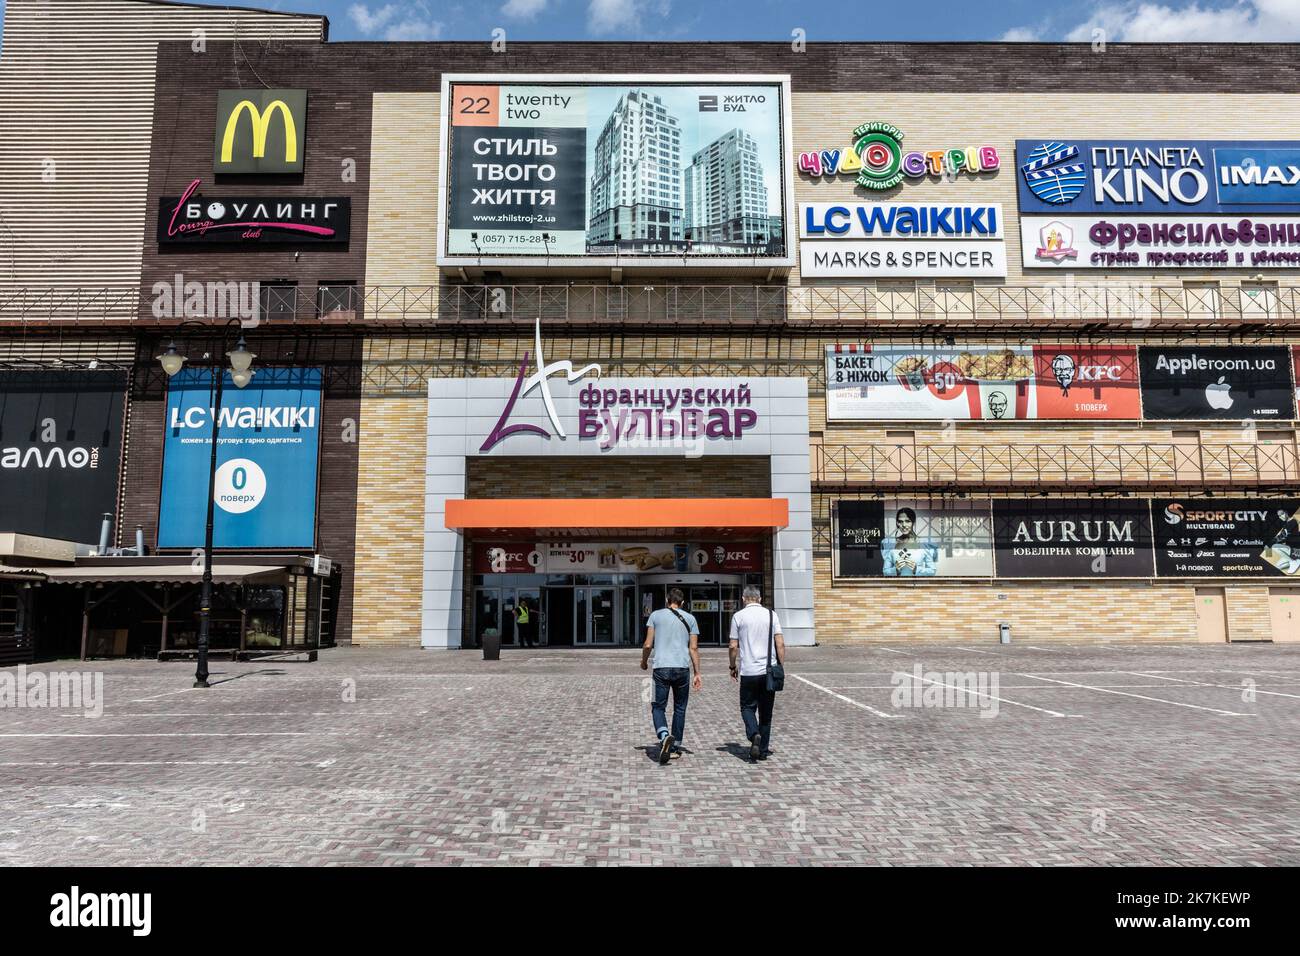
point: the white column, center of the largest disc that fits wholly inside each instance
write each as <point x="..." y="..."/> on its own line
<point x="792" y="557"/>
<point x="444" y="549"/>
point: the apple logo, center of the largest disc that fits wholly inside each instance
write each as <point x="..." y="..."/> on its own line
<point x="216" y="210"/>
<point x="1218" y="394"/>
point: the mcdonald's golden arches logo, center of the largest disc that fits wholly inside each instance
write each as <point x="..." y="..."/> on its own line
<point x="260" y="131"/>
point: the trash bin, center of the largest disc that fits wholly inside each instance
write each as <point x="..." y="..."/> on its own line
<point x="1004" y="633"/>
<point x="491" y="644"/>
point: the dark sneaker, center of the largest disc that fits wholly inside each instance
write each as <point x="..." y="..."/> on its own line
<point x="756" y="746"/>
<point x="665" y="748"/>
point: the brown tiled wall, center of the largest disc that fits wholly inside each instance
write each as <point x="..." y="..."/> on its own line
<point x="619" y="478"/>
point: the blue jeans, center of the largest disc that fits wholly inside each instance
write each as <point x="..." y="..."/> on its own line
<point x="754" y="696"/>
<point x="679" y="679"/>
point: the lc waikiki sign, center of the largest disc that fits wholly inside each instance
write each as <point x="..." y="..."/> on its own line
<point x="879" y="161"/>
<point x="260" y="131"/>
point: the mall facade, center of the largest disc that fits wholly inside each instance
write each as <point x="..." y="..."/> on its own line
<point x="921" y="338"/>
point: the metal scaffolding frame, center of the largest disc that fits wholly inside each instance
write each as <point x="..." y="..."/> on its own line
<point x="1098" y="466"/>
<point x="938" y="308"/>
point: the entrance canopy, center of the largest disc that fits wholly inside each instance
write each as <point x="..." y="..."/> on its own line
<point x="178" y="573"/>
<point x="578" y="516"/>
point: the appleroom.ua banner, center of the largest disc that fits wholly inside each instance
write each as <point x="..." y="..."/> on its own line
<point x="267" y="456"/>
<point x="566" y="168"/>
<point x="1216" y="382"/>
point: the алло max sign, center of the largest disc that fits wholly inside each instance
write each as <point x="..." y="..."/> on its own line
<point x="60" y="443"/>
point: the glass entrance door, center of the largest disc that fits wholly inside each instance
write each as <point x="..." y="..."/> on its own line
<point x="487" y="613"/>
<point x="595" y="615"/>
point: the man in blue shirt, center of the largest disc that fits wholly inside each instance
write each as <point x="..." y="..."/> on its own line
<point x="674" y="637"/>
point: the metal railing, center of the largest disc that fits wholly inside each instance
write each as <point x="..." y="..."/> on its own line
<point x="1113" y="305"/>
<point x="1056" y="465"/>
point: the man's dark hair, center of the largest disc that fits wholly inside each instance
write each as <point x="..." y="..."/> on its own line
<point x="911" y="515"/>
<point x="675" y="596"/>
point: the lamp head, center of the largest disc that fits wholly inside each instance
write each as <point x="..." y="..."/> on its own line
<point x="171" y="360"/>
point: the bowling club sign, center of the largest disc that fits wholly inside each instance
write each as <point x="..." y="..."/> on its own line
<point x="195" y="219"/>
<point x="879" y="160"/>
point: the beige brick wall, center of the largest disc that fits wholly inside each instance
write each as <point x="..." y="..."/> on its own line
<point x="389" y="558"/>
<point x="1248" y="612"/>
<point x="851" y="612"/>
<point x="400" y="245"/>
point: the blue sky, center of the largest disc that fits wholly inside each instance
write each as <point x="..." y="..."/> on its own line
<point x="1121" y="20"/>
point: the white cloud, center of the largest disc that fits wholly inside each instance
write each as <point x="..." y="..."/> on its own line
<point x="414" y="29"/>
<point x="395" y="21"/>
<point x="1195" y="22"/>
<point x="622" y="16"/>
<point x="1021" y="35"/>
<point x="523" y="9"/>
<point x="369" y="21"/>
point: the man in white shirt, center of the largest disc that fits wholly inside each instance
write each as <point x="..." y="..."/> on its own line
<point x="752" y="627"/>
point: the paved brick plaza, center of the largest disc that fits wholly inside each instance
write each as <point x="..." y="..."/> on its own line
<point x="541" y="758"/>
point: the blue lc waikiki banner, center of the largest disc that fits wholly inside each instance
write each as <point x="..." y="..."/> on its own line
<point x="265" y="488"/>
<point x="1158" y="176"/>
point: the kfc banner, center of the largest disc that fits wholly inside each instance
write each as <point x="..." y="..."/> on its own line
<point x="904" y="382"/>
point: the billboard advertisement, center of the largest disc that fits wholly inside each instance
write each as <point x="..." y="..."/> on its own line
<point x="1072" y="538"/>
<point x="913" y="538"/>
<point x="1216" y="382"/>
<point x="1227" y="537"/>
<point x="1062" y="177"/>
<point x="60" y="448"/>
<point x="571" y="170"/>
<point x="909" y="382"/>
<point x="267" y="460"/>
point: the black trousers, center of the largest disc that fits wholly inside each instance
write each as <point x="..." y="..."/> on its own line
<point x="756" y="703"/>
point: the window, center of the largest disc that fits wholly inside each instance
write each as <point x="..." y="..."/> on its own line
<point x="278" y="300"/>
<point x="336" y="299"/>
<point x="1201" y="300"/>
<point x="1259" y="300"/>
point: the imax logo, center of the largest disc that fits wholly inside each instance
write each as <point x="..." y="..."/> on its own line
<point x="258" y="146"/>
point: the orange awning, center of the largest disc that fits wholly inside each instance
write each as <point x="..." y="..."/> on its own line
<point x="618" y="514"/>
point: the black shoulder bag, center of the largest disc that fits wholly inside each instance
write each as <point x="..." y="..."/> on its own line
<point x="775" y="672"/>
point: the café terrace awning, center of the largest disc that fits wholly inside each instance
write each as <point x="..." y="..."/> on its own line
<point x="182" y="572"/>
<point x="722" y="517"/>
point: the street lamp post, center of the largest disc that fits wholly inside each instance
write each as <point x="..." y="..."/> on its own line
<point x="241" y="361"/>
